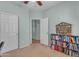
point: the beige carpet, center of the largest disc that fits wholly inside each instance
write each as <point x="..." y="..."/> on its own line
<point x="35" y="50"/>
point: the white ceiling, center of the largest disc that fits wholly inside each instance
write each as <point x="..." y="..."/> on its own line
<point x="33" y="6"/>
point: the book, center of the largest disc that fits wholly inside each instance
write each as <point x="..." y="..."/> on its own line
<point x="53" y="37"/>
<point x="62" y="38"/>
<point x="78" y="47"/>
<point x="75" y="47"/>
<point x="70" y="46"/>
<point x="66" y="37"/>
<point x="77" y="39"/>
<point x="58" y="43"/>
<point x="57" y="38"/>
<point x="72" y="40"/>
<point x="67" y="45"/>
<point x="70" y="52"/>
<point x="64" y="44"/>
<point x="61" y="44"/>
<point x="53" y="42"/>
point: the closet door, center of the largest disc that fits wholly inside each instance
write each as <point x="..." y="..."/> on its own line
<point x="9" y="31"/>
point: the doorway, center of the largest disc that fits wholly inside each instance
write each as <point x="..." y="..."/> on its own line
<point x="35" y="31"/>
<point x="40" y="31"/>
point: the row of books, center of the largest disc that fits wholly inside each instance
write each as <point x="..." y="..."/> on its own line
<point x="70" y="46"/>
<point x="72" y="39"/>
<point x="66" y="44"/>
<point x="66" y="51"/>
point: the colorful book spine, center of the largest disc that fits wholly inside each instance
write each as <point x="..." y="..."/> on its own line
<point x="53" y="37"/>
<point x="57" y="38"/>
<point x="53" y="41"/>
<point x="70" y="46"/>
<point x="75" y="47"/>
<point x="64" y="44"/>
<point x="66" y="37"/>
<point x="77" y="40"/>
<point x="73" y="40"/>
<point x="78" y="47"/>
<point x="67" y="44"/>
<point x="62" y="38"/>
<point x="58" y="43"/>
<point x="61" y="44"/>
<point x="70" y="52"/>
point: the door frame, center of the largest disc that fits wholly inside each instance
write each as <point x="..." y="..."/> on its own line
<point x="30" y="27"/>
<point x="31" y="24"/>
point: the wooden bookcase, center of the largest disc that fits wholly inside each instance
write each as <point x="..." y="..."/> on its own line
<point x="71" y="48"/>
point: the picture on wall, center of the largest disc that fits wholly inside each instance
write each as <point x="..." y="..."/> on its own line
<point x="64" y="28"/>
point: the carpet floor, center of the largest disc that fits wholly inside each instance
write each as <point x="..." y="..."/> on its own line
<point x="35" y="50"/>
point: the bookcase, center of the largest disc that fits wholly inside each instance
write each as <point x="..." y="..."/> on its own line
<point x="66" y="44"/>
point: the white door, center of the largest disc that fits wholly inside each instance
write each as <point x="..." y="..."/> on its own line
<point x="9" y="31"/>
<point x="44" y="31"/>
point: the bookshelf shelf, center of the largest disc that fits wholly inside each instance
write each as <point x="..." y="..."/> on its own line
<point x="66" y="44"/>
